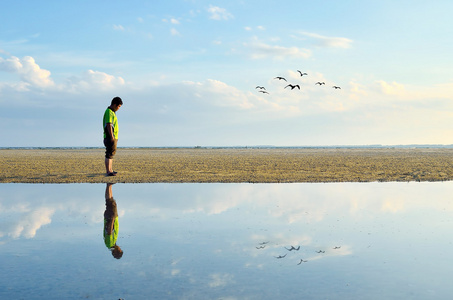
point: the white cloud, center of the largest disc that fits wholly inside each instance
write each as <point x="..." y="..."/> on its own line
<point x="28" y="70"/>
<point x="94" y="80"/>
<point x="103" y="79"/>
<point x="15" y="87"/>
<point x="118" y="27"/>
<point x="377" y="105"/>
<point x="260" y="50"/>
<point x="215" y="93"/>
<point x="223" y="99"/>
<point x="393" y="88"/>
<point x="220" y="280"/>
<point x="357" y="90"/>
<point x="330" y="42"/>
<point x="435" y="102"/>
<point x="12" y="64"/>
<point x="175" y="272"/>
<point x="172" y="21"/>
<point x="248" y="28"/>
<point x="32" y="73"/>
<point x="32" y="76"/>
<point x="218" y="13"/>
<point x="30" y="223"/>
<point x="174" y="32"/>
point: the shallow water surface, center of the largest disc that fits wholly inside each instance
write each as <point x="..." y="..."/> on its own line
<point x="228" y="241"/>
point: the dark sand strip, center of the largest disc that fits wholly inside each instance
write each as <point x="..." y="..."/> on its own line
<point x="227" y="165"/>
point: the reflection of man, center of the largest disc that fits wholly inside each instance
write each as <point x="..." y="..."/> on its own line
<point x="111" y="223"/>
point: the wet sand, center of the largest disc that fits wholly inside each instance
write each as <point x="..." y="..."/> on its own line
<point x="227" y="165"/>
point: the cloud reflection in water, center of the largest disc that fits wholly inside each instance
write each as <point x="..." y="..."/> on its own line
<point x="223" y="240"/>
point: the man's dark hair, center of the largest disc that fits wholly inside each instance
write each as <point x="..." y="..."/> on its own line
<point x="117" y="101"/>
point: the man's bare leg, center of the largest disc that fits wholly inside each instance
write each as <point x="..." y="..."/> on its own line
<point x="109" y="165"/>
<point x="108" y="191"/>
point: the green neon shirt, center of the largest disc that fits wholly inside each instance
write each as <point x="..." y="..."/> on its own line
<point x="110" y="239"/>
<point x="110" y="117"/>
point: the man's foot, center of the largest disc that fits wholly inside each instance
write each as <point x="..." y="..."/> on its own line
<point x="111" y="174"/>
<point x="115" y="172"/>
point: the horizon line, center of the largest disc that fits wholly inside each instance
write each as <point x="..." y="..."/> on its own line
<point x="244" y="146"/>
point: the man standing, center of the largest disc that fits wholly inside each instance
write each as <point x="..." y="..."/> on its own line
<point x="110" y="125"/>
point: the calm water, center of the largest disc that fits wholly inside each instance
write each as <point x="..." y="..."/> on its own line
<point x="228" y="241"/>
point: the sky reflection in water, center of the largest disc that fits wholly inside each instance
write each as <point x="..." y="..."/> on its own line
<point x="224" y="241"/>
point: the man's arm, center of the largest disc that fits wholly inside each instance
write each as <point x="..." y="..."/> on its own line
<point x="109" y="226"/>
<point x="109" y="130"/>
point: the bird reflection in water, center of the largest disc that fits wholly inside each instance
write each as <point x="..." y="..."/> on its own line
<point x="111" y="223"/>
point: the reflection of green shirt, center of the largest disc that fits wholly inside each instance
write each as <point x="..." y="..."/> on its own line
<point x="110" y="239"/>
<point x="110" y="117"/>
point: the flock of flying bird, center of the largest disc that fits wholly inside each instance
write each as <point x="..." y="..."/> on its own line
<point x="292" y="248"/>
<point x="262" y="89"/>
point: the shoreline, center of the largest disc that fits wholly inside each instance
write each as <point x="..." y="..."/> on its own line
<point x="227" y="165"/>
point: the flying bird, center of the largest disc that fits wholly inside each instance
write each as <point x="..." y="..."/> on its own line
<point x="293" y="86"/>
<point x="301" y="261"/>
<point x="337" y="247"/>
<point x="280" y="78"/>
<point x="261" y="247"/>
<point x="260" y="87"/>
<point x="301" y="74"/>
<point x="293" y="248"/>
<point x="280" y="256"/>
<point x="336" y="87"/>
<point x="264" y="243"/>
<point x="320" y="83"/>
<point x="264" y="92"/>
<point x="320" y="251"/>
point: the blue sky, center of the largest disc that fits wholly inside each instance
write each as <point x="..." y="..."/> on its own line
<point x="187" y="72"/>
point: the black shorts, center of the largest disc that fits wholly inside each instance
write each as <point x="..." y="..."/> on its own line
<point x="110" y="148"/>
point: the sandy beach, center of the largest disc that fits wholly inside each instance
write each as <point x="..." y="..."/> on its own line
<point x="227" y="165"/>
